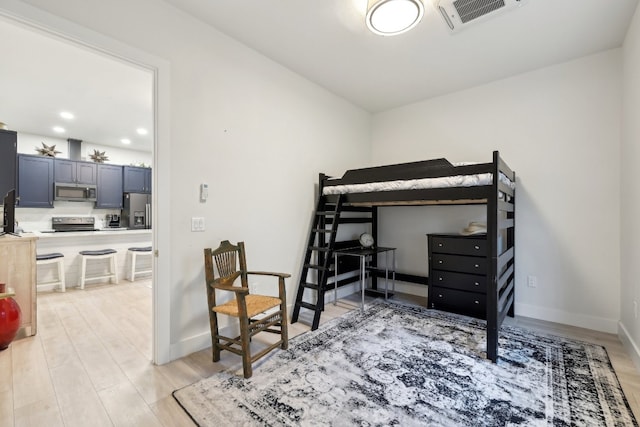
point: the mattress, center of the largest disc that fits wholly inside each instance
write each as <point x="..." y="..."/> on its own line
<point x="418" y="184"/>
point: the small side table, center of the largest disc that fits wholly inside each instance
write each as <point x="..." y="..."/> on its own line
<point x="364" y="254"/>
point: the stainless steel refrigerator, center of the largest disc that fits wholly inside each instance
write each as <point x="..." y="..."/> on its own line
<point x="136" y="210"/>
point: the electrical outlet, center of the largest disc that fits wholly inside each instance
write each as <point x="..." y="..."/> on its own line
<point x="197" y="224"/>
<point x="532" y="281"/>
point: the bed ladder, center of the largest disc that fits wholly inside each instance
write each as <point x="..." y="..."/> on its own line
<point x="316" y="270"/>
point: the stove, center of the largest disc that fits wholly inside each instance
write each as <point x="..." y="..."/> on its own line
<point x="73" y="223"/>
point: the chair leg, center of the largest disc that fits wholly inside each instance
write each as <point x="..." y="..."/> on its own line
<point x="215" y="341"/>
<point x="246" y="348"/>
<point x="284" y="329"/>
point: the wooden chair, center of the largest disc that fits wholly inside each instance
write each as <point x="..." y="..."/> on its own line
<point x="249" y="309"/>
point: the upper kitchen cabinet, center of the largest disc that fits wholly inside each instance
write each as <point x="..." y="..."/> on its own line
<point x="75" y="172"/>
<point x="7" y="161"/>
<point x="137" y="179"/>
<point x="35" y="181"/>
<point x="109" y="187"/>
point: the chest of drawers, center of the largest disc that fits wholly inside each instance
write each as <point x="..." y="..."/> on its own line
<point x="458" y="273"/>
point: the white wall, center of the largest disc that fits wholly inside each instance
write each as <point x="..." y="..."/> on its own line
<point x="254" y="131"/>
<point x="559" y="129"/>
<point x="630" y="188"/>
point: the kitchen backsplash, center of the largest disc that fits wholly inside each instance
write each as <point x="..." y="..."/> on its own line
<point x="38" y="219"/>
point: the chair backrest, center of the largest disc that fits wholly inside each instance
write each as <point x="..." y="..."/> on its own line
<point x="229" y="260"/>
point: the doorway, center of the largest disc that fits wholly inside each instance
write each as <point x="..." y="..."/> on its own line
<point x="49" y="29"/>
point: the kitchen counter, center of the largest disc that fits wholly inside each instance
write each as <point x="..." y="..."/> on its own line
<point x="70" y="243"/>
<point x="47" y="234"/>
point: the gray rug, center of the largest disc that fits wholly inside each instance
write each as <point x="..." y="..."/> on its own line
<point x="409" y="366"/>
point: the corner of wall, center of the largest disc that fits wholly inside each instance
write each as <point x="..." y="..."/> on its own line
<point x="629" y="344"/>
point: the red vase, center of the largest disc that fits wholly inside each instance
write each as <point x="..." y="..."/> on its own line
<point x="10" y="315"/>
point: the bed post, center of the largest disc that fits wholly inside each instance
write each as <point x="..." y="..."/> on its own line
<point x="492" y="273"/>
<point x="374" y="233"/>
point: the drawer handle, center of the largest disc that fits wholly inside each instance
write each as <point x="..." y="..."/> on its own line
<point x="476" y="283"/>
<point x="477" y="266"/>
<point x="477" y="247"/>
<point x="439" y="261"/>
<point x="440" y="279"/>
<point x="477" y="302"/>
<point x="439" y="245"/>
<point x="439" y="295"/>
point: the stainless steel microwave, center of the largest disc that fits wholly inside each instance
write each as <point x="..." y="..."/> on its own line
<point x="74" y="192"/>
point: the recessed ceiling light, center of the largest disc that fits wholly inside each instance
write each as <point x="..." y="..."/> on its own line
<point x="58" y="129"/>
<point x="125" y="141"/>
<point x="391" y="17"/>
<point x="142" y="131"/>
<point x="67" y="115"/>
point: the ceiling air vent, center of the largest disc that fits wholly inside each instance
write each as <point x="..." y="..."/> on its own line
<point x="459" y="14"/>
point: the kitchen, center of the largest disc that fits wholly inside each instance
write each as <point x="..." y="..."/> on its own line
<point x="83" y="111"/>
<point x="108" y="207"/>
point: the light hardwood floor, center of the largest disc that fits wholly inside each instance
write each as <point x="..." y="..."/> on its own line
<point x="89" y="364"/>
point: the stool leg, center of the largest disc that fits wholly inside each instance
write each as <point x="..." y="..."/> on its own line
<point x="133" y="266"/>
<point x="61" y="275"/>
<point x="114" y="268"/>
<point x="83" y="271"/>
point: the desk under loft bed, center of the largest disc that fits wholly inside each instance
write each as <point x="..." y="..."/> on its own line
<point x="355" y="196"/>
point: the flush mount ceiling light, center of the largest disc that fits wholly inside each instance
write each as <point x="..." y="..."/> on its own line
<point x="392" y="17"/>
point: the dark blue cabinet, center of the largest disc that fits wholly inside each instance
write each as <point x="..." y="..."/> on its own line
<point x="75" y="172"/>
<point x="35" y="181"/>
<point x="8" y="144"/>
<point x="137" y="179"/>
<point x="109" y="187"/>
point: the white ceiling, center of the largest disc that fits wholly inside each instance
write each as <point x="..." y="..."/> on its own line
<point x="40" y="76"/>
<point x="325" y="41"/>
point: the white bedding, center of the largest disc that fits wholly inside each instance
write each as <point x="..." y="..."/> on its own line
<point x="418" y="184"/>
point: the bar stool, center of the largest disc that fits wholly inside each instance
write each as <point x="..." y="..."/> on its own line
<point x="135" y="252"/>
<point x="109" y="254"/>
<point x="52" y="258"/>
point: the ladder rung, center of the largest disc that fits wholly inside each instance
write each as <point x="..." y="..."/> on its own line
<point x="322" y="230"/>
<point x="326" y="213"/>
<point x="310" y="285"/>
<point x="307" y="305"/>
<point x="315" y="267"/>
<point x="319" y="248"/>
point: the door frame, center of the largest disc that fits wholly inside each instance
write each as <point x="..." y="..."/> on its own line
<point x="53" y="26"/>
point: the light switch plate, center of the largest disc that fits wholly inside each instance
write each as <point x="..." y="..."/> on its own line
<point x="197" y="223"/>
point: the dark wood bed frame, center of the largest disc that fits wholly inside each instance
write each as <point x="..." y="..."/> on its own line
<point x="500" y="225"/>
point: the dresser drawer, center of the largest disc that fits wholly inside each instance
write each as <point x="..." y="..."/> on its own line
<point x="468" y="303"/>
<point x="459" y="245"/>
<point x="459" y="263"/>
<point x="461" y="281"/>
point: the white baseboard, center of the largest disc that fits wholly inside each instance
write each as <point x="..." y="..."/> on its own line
<point x="574" y="319"/>
<point x="190" y="345"/>
<point x="629" y="344"/>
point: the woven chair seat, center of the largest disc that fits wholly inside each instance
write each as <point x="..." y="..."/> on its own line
<point x="256" y="304"/>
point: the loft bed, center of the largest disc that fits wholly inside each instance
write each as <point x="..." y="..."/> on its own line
<point x="430" y="182"/>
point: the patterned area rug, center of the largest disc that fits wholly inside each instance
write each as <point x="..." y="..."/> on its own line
<point x="409" y="366"/>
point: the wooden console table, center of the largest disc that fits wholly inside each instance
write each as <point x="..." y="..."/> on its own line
<point x="18" y="271"/>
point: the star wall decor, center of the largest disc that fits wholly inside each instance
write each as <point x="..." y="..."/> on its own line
<point x="47" y="151"/>
<point x="99" y="156"/>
